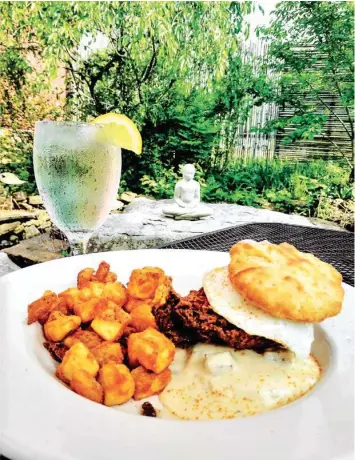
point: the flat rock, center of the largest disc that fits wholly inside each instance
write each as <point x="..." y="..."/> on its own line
<point x="35" y="200"/>
<point x="128" y="197"/>
<point x="142" y="224"/>
<point x="8" y="228"/>
<point x="117" y="205"/>
<point x="8" y="216"/>
<point x="6" y="264"/>
<point x="19" y="196"/>
<point x="41" y="248"/>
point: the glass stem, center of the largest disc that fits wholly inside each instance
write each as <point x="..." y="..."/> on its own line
<point x="78" y="244"/>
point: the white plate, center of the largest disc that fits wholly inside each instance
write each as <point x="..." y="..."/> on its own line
<point x="40" y="419"/>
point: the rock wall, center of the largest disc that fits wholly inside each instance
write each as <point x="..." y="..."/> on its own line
<point x="21" y="217"/>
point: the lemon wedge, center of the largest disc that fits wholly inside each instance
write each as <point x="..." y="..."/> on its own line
<point x="121" y="131"/>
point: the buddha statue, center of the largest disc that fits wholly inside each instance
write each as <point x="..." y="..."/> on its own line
<point x="187" y="198"/>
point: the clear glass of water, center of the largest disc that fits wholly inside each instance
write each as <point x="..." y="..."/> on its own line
<point x="77" y="172"/>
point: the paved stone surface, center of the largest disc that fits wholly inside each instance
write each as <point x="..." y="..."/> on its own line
<point x="142" y="224"/>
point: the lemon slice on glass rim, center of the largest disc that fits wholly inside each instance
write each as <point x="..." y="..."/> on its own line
<point x="121" y="131"/>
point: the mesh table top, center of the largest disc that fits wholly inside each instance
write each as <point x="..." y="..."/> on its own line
<point x="334" y="247"/>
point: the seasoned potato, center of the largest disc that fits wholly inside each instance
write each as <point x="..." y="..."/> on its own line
<point x="86" y="310"/>
<point x="161" y="293"/>
<point x="71" y="296"/>
<point x="133" y="303"/>
<point x="84" y="277"/>
<point x="149" y="283"/>
<point x="62" y="306"/>
<point x="151" y="349"/>
<point x="78" y="357"/>
<point x="123" y="317"/>
<point x="92" y="289"/>
<point x="88" y="338"/>
<point x="147" y="383"/>
<point x="110" y="320"/>
<point x="142" y="318"/>
<point x="85" y="385"/>
<point x="40" y="309"/>
<point x="108" y="352"/>
<point x="115" y="292"/>
<point x="117" y="382"/>
<point x="110" y="277"/>
<point x="107" y="309"/>
<point x="143" y="282"/>
<point x="108" y="329"/>
<point x="58" y="326"/>
<point x="102" y="271"/>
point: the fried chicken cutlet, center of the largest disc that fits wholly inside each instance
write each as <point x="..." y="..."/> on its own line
<point x="190" y="320"/>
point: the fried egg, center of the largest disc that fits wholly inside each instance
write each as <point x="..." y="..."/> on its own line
<point x="227" y="302"/>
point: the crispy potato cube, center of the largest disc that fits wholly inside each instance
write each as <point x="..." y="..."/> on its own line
<point x="84" y="277"/>
<point x="115" y="292"/>
<point x="40" y="309"/>
<point x="58" y="326"/>
<point x="110" y="330"/>
<point x="108" y="352"/>
<point x="142" y="318"/>
<point x="117" y="382"/>
<point x="151" y="349"/>
<point x="86" y="310"/>
<point x="162" y="292"/>
<point x="143" y="282"/>
<point x="133" y="303"/>
<point x="71" y="296"/>
<point x="102" y="271"/>
<point x="147" y="383"/>
<point x="111" y="277"/>
<point x="86" y="385"/>
<point x="62" y="306"/>
<point x="78" y="357"/>
<point x="92" y="289"/>
<point x="106" y="309"/>
<point x="123" y="317"/>
<point x="88" y="338"/>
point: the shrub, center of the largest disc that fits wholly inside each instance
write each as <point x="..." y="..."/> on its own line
<point x="284" y="186"/>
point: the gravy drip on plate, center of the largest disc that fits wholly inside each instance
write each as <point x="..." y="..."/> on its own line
<point x="212" y="382"/>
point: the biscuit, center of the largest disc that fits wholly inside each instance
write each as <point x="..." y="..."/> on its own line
<point x="285" y="282"/>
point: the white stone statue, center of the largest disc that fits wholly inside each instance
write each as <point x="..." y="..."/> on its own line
<point x="187" y="198"/>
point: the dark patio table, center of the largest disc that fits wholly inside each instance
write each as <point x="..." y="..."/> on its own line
<point x="334" y="247"/>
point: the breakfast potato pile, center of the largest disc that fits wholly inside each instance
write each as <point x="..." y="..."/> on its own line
<point x="104" y="334"/>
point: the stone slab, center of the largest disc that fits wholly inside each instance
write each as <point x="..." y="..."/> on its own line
<point x="41" y="248"/>
<point x="8" y="228"/>
<point x="142" y="224"/>
<point x="8" y="216"/>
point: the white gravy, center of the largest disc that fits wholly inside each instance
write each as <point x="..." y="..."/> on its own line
<point x="211" y="382"/>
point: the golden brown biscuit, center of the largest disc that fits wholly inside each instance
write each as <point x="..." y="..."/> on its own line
<point x="285" y="282"/>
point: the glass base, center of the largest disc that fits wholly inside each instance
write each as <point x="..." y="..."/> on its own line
<point x="78" y="242"/>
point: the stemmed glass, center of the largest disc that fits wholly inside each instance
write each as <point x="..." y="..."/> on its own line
<point x="77" y="171"/>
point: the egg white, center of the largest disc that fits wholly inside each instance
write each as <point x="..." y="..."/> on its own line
<point x="227" y="302"/>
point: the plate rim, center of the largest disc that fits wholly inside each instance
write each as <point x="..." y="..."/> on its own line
<point x="6" y="446"/>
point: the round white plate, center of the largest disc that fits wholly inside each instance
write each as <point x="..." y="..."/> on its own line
<point x="40" y="419"/>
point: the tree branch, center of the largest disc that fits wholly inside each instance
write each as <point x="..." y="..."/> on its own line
<point x="345" y="106"/>
<point x="148" y="70"/>
<point x="333" y="113"/>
